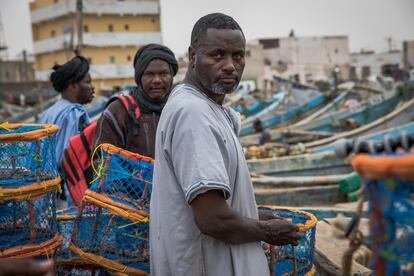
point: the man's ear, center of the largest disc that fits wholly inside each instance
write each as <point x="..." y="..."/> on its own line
<point x="192" y="56"/>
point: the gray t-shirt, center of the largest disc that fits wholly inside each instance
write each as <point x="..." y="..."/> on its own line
<point x="197" y="149"/>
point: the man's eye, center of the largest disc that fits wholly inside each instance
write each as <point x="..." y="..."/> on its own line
<point x="238" y="56"/>
<point x="217" y="55"/>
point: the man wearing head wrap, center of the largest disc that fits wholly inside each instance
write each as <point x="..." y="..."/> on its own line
<point x="155" y="67"/>
<point x="73" y="82"/>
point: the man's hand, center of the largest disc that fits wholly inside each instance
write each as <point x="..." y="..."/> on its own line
<point x="26" y="267"/>
<point x="280" y="232"/>
<point x="267" y="215"/>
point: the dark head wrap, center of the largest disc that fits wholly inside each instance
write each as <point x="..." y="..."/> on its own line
<point x="141" y="61"/>
<point x="71" y="72"/>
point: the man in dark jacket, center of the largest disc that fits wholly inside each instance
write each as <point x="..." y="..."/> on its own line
<point x="155" y="67"/>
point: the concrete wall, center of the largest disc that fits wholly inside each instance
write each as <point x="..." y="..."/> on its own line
<point x="410" y="53"/>
<point x="374" y="61"/>
<point x="16" y="71"/>
<point x="310" y="57"/>
<point x="254" y="69"/>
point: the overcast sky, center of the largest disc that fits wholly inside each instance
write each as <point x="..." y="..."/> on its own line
<point x="367" y="22"/>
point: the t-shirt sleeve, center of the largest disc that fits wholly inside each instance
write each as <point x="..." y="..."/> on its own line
<point x="198" y="153"/>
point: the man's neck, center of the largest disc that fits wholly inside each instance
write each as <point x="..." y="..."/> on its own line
<point x="69" y="97"/>
<point x="189" y="79"/>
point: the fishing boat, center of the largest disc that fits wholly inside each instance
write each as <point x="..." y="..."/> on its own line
<point x="341" y="120"/>
<point x="400" y="116"/>
<point x="392" y="132"/>
<point x="310" y="164"/>
<point x="297" y="103"/>
<point x="302" y="120"/>
<point x="266" y="112"/>
<point x="298" y="191"/>
<point x="254" y="108"/>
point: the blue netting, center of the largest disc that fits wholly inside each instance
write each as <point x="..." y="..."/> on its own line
<point x="65" y="226"/>
<point x="102" y="233"/>
<point x="391" y="211"/>
<point x="122" y="178"/>
<point x="27" y="162"/>
<point x="68" y="263"/>
<point x="280" y="258"/>
<point x="28" y="222"/>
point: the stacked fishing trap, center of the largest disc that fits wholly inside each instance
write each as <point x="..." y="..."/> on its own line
<point x="111" y="228"/>
<point x="29" y="183"/>
<point x="389" y="187"/>
<point x="288" y="259"/>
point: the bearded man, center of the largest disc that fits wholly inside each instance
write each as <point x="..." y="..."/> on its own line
<point x="204" y="218"/>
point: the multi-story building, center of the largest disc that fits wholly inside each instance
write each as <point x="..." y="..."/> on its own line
<point x="112" y="31"/>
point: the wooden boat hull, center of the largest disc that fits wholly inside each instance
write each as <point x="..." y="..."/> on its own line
<point x="326" y="163"/>
<point x="272" y="119"/>
<point x="402" y="115"/>
<point x="393" y="132"/>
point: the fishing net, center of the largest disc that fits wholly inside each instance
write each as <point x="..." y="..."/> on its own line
<point x="288" y="260"/>
<point x="28" y="226"/>
<point x="389" y="187"/>
<point x="124" y="175"/>
<point x="112" y="233"/>
<point x="68" y="263"/>
<point x="27" y="154"/>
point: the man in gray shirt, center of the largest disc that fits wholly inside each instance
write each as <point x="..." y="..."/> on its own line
<point x="204" y="218"/>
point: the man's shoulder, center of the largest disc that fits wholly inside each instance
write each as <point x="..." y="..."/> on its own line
<point x="188" y="98"/>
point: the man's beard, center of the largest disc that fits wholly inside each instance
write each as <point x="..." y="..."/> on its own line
<point x="218" y="89"/>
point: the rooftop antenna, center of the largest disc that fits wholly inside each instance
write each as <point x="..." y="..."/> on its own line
<point x="3" y="47"/>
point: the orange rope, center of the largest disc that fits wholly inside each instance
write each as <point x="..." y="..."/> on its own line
<point x="302" y="227"/>
<point x="116" y="208"/>
<point x="32" y="191"/>
<point x="48" y="130"/>
<point x="111" y="149"/>
<point x="32" y="250"/>
<point x="109" y="264"/>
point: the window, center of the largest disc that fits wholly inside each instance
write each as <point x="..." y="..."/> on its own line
<point x="85" y="28"/>
<point x="126" y="27"/>
<point x="112" y="59"/>
<point x="110" y="28"/>
<point x="366" y="71"/>
<point x="128" y="58"/>
<point x="52" y="33"/>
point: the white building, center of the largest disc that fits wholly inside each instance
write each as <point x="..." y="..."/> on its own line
<point x="308" y="58"/>
<point x="366" y="64"/>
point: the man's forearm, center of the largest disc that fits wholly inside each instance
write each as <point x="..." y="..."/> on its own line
<point x="215" y="218"/>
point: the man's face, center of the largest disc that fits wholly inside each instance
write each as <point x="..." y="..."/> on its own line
<point x="218" y="61"/>
<point x="156" y="79"/>
<point x="86" y="90"/>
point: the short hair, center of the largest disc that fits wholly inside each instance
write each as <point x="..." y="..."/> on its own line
<point x="257" y="122"/>
<point x="213" y="21"/>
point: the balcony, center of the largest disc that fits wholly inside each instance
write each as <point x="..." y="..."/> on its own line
<point x="96" y="7"/>
<point x="97" y="40"/>
<point x="99" y="71"/>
